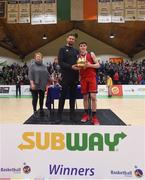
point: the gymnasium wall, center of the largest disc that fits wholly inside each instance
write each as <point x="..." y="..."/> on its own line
<point x="139" y="56"/>
<point x="102" y="50"/>
<point x="8" y="57"/>
<point x="50" y="50"/>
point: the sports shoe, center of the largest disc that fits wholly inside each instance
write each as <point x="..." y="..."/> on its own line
<point x="95" y="121"/>
<point x="85" y="118"/>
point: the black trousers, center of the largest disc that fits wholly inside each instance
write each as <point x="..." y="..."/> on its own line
<point x="71" y="89"/>
<point x="35" y="94"/>
<point x="18" y="89"/>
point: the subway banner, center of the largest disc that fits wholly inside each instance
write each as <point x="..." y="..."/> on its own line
<point x="72" y="152"/>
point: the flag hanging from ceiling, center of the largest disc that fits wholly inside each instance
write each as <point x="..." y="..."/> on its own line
<point x="83" y="10"/>
<point x="130" y="10"/>
<point x="50" y="12"/>
<point x="36" y="12"/>
<point x="118" y="11"/>
<point x="63" y="10"/>
<point x="90" y="10"/>
<point x="24" y="11"/>
<point x="104" y="11"/>
<point x="43" y="12"/>
<point x="141" y="10"/>
<point x="77" y="10"/>
<point x="12" y="11"/>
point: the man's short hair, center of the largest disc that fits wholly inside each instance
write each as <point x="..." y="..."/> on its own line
<point x="70" y="34"/>
<point x="83" y="42"/>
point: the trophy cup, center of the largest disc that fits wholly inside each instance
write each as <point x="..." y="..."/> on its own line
<point x="81" y="62"/>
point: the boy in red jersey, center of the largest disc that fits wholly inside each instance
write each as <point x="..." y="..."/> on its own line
<point x="88" y="82"/>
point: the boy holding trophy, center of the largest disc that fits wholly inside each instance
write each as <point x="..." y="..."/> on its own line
<point x="87" y="63"/>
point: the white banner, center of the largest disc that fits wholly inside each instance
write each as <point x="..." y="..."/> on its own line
<point x="141" y="4"/>
<point x="141" y="14"/>
<point x="10" y="90"/>
<point x="72" y="152"/>
<point x="130" y="4"/>
<point x="117" y="4"/>
<point x="12" y="11"/>
<point x="24" y="11"/>
<point x="37" y="10"/>
<point x="141" y="10"/>
<point x="118" y="11"/>
<point x="130" y="10"/>
<point x="130" y="14"/>
<point x="118" y="16"/>
<point x="50" y="12"/>
<point x="134" y="90"/>
<point x="102" y="90"/>
<point x="104" y="11"/>
<point x="139" y="90"/>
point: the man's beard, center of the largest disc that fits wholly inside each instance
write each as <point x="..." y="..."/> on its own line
<point x="70" y="44"/>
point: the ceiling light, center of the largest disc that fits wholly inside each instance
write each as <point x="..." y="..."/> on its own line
<point x="44" y="37"/>
<point x="112" y="36"/>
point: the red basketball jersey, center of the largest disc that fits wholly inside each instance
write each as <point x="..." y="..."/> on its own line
<point x="88" y="72"/>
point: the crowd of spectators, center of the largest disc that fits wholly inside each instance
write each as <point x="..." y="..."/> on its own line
<point x="10" y="74"/>
<point x="127" y="72"/>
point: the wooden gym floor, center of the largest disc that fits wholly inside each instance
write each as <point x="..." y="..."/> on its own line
<point x="130" y="109"/>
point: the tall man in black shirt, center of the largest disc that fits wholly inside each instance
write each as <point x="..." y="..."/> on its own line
<point x="67" y="59"/>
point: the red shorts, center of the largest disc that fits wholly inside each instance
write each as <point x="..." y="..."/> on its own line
<point x="88" y="85"/>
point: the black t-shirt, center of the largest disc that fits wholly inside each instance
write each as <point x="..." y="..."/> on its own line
<point x="67" y="57"/>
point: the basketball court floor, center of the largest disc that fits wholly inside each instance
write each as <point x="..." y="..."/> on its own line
<point x="130" y="109"/>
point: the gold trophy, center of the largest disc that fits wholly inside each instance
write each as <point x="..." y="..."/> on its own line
<point x="81" y="62"/>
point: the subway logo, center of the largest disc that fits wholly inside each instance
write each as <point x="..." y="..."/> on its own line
<point x="58" y="141"/>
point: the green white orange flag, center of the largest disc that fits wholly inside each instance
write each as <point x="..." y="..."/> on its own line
<point x="77" y="10"/>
